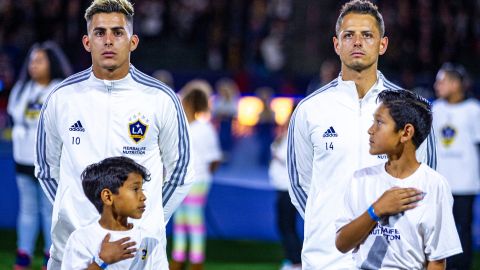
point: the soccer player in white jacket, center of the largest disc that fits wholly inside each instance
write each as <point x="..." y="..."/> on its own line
<point x="111" y="109"/>
<point x="327" y="138"/>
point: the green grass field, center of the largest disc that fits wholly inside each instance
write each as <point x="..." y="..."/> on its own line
<point x="221" y="254"/>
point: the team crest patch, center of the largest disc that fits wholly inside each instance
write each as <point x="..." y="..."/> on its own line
<point x="448" y="135"/>
<point x="138" y="127"/>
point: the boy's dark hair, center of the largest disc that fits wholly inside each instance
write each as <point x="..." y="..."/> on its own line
<point x="110" y="6"/>
<point x="198" y="99"/>
<point x="361" y="7"/>
<point x="407" y="107"/>
<point x="109" y="173"/>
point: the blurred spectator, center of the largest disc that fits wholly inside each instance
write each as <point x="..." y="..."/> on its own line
<point x="457" y="126"/>
<point x="272" y="47"/>
<point x="264" y="37"/>
<point x="150" y="13"/>
<point x="224" y="112"/>
<point x="189" y="225"/>
<point x="44" y="68"/>
<point x="266" y="124"/>
<point x="285" y="211"/>
<point x="329" y="70"/>
<point x="164" y="76"/>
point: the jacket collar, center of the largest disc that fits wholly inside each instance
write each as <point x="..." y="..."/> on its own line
<point x="111" y="85"/>
<point x="380" y="84"/>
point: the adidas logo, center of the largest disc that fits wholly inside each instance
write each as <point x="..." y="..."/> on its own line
<point x="77" y="127"/>
<point x="330" y="133"/>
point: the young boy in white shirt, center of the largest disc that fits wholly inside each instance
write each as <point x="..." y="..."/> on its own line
<point x="398" y="215"/>
<point x="114" y="186"/>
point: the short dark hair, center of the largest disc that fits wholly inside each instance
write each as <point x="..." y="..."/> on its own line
<point x="198" y="99"/>
<point x="407" y="107"/>
<point x="361" y="7"/>
<point x="109" y="173"/>
<point x="110" y="6"/>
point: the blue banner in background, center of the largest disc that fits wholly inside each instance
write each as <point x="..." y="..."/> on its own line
<point x="240" y="203"/>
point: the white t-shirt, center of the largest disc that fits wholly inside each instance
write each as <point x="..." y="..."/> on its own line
<point x="277" y="171"/>
<point x="84" y="244"/>
<point x="24" y="105"/>
<point x="409" y="239"/>
<point x="457" y="127"/>
<point x="205" y="148"/>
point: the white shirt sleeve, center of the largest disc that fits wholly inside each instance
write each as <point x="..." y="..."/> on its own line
<point x="299" y="160"/>
<point x="175" y="149"/>
<point x="441" y="239"/>
<point x="48" y="150"/>
<point x="15" y="106"/>
<point x="76" y="255"/>
<point x="346" y="213"/>
<point x="476" y="124"/>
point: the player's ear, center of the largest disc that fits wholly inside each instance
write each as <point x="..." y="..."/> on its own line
<point x="134" y="42"/>
<point x="383" y="45"/>
<point x="336" y="45"/>
<point x="107" y="196"/>
<point x="86" y="43"/>
<point x="407" y="133"/>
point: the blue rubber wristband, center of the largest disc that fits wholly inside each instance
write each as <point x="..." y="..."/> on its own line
<point x="100" y="262"/>
<point x="371" y="213"/>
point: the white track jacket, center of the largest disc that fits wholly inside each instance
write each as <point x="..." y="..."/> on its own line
<point x="327" y="142"/>
<point x="85" y="120"/>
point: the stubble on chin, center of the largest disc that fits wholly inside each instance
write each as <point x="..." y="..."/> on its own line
<point x="359" y="66"/>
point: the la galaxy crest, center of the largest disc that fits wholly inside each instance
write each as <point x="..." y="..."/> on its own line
<point x="448" y="135"/>
<point x="138" y="127"/>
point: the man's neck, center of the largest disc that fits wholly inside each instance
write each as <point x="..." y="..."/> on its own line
<point x="110" y="74"/>
<point x="364" y="80"/>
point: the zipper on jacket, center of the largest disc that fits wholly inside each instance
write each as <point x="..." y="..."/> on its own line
<point x="109" y="87"/>
<point x="359" y="121"/>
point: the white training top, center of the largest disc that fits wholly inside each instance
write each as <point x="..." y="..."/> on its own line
<point x="85" y="243"/>
<point x="457" y="127"/>
<point x="205" y="147"/>
<point x="86" y="120"/>
<point x="409" y="239"/>
<point x="24" y="105"/>
<point x="277" y="170"/>
<point x="327" y="142"/>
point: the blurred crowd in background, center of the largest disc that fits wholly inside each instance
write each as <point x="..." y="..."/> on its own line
<point x="258" y="47"/>
<point x="276" y="43"/>
<point x="268" y="49"/>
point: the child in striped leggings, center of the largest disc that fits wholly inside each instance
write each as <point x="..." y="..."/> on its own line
<point x="189" y="217"/>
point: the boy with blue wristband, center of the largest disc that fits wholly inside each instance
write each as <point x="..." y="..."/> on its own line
<point x="398" y="215"/>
